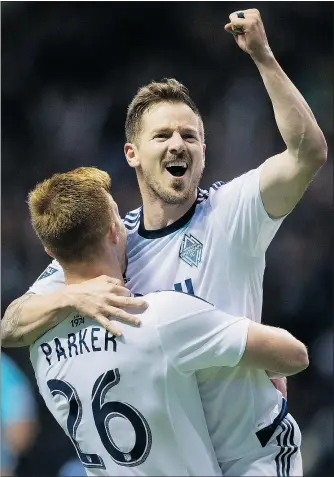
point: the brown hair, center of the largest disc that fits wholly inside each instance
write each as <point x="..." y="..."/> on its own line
<point x="71" y="212"/>
<point x="168" y="90"/>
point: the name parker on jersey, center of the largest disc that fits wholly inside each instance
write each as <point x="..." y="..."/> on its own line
<point x="81" y="342"/>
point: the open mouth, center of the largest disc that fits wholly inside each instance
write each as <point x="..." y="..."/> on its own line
<point x="177" y="169"/>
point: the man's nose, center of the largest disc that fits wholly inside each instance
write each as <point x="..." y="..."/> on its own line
<point x="176" y="144"/>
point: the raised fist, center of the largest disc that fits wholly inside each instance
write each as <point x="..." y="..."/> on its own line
<point x="247" y="28"/>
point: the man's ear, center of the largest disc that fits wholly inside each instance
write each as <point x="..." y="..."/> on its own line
<point x="204" y="149"/>
<point x="130" y="152"/>
<point x="113" y="233"/>
<point x="49" y="252"/>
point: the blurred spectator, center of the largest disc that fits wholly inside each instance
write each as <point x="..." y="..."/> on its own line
<point x="18" y="416"/>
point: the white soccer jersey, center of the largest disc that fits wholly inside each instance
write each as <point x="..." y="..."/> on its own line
<point x="217" y="252"/>
<point x="131" y="405"/>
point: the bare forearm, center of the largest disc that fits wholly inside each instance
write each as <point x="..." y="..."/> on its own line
<point x="30" y="316"/>
<point x="294" y="118"/>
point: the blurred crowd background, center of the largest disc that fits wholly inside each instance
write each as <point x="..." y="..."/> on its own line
<point x="69" y="69"/>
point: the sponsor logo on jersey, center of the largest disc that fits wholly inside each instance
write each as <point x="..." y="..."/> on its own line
<point x="49" y="271"/>
<point x="191" y="250"/>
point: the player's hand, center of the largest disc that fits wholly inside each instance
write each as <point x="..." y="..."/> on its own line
<point x="101" y="299"/>
<point x="281" y="385"/>
<point x="249" y="33"/>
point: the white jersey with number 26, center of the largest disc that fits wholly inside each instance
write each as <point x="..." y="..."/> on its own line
<point x="217" y="252"/>
<point x="131" y="405"/>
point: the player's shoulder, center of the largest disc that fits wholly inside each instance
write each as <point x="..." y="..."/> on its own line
<point x="221" y="194"/>
<point x="132" y="219"/>
<point x="227" y="189"/>
<point x="170" y="305"/>
<point x="203" y="195"/>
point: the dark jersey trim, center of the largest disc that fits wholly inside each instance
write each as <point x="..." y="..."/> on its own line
<point x="132" y="221"/>
<point x="183" y="293"/>
<point x="155" y="234"/>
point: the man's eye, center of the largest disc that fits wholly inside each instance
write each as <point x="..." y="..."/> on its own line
<point x="188" y="136"/>
<point x="162" y="135"/>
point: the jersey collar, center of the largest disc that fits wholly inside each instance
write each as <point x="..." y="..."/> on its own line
<point x="159" y="233"/>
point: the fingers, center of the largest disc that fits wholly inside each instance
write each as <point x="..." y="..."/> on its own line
<point x="228" y="27"/>
<point x="116" y="281"/>
<point x="122" y="295"/>
<point x="251" y="12"/>
<point x="128" y="302"/>
<point x="238" y="25"/>
<point x="254" y="11"/>
<point x="116" y="297"/>
<point x="107" y="279"/>
<point x="233" y="29"/>
<point x="116" y="314"/>
<point x="108" y="325"/>
<point x="123" y="316"/>
<point x="119" y="290"/>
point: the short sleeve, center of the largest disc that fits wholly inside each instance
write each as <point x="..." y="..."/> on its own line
<point x="50" y="281"/>
<point x="195" y="335"/>
<point x="238" y="208"/>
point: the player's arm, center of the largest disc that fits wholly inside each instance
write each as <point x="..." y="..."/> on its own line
<point x="196" y="335"/>
<point x="284" y="177"/>
<point x="28" y="317"/>
<point x="274" y="350"/>
<point x="31" y="315"/>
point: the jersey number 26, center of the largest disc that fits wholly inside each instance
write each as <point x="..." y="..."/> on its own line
<point x="103" y="412"/>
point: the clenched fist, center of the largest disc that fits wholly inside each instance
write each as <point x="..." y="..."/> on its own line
<point x="249" y="34"/>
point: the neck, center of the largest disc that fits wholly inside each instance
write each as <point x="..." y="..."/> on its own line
<point x="82" y="271"/>
<point x="159" y="214"/>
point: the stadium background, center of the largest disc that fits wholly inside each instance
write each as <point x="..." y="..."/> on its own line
<point x="69" y="70"/>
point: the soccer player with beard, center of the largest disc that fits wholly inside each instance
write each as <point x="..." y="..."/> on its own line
<point x="208" y="243"/>
<point x="131" y="406"/>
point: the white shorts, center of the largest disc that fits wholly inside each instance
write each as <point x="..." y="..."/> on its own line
<point x="280" y="456"/>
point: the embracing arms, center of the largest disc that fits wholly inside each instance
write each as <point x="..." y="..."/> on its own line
<point x="31" y="315"/>
<point x="274" y="350"/>
<point x="195" y="335"/>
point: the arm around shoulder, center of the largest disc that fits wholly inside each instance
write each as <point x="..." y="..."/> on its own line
<point x="31" y="315"/>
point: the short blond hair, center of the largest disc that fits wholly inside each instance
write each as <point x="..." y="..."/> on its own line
<point x="71" y="212"/>
<point x="168" y="90"/>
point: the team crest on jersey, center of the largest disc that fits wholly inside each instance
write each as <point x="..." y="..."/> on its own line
<point x="191" y="250"/>
<point x="49" y="271"/>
